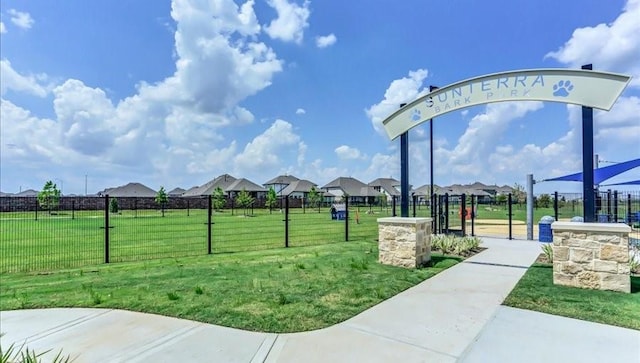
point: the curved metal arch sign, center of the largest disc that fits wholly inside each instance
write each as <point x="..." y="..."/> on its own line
<point x="581" y="87"/>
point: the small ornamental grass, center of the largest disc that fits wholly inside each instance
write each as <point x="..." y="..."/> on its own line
<point x="454" y="245"/>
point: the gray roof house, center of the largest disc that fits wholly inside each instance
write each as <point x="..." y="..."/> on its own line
<point x="300" y="188"/>
<point x="386" y="186"/>
<point x="357" y="190"/>
<point x="27" y="193"/>
<point x="223" y="182"/>
<point x="129" y="190"/>
<point x="280" y="182"/>
<point x="246" y="184"/>
<point x="176" y="192"/>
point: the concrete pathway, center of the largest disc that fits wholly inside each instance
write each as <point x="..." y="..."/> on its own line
<point x="454" y="316"/>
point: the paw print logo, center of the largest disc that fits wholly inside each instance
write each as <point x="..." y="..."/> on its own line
<point x="562" y="88"/>
<point x="416" y="115"/>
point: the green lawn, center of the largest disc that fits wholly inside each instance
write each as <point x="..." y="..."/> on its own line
<point x="278" y="290"/>
<point x="60" y="241"/>
<point x="536" y="291"/>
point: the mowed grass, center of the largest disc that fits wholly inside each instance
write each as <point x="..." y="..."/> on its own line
<point x="278" y="290"/>
<point x="67" y="240"/>
<point x="536" y="291"/>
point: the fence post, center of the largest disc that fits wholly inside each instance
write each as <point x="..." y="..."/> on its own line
<point x="393" y="204"/>
<point x="286" y="221"/>
<point x="509" y="200"/>
<point x="73" y="209"/>
<point x="209" y="222"/>
<point x="413" y="200"/>
<point x="555" y="205"/>
<point x="106" y="228"/>
<point x="473" y="215"/>
<point x="188" y="205"/>
<point x="434" y="213"/>
<point x="615" y="206"/>
<point x="629" y="209"/>
<point x="463" y="214"/>
<point x="36" y="209"/>
<point x="346" y="219"/>
<point x="446" y="213"/>
<point x="609" y="205"/>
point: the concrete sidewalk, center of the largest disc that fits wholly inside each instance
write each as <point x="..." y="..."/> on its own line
<point x="454" y="316"/>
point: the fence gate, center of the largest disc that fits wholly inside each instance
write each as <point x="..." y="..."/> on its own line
<point x="451" y="214"/>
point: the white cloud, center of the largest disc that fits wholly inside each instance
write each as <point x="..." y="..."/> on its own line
<point x="400" y="91"/>
<point x="12" y="80"/>
<point x="21" y="19"/>
<point x="291" y="21"/>
<point x="345" y="152"/>
<point x="612" y="47"/>
<point x="267" y="150"/>
<point x="3" y="29"/>
<point x="326" y="41"/>
<point x="170" y="130"/>
<point x="300" y="111"/>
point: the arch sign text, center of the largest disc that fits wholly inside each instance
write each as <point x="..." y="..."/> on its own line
<point x="581" y="87"/>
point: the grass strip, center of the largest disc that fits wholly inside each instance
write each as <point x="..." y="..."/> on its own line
<point x="280" y="290"/>
<point x="536" y="291"/>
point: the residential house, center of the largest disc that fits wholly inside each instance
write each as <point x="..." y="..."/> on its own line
<point x="357" y="191"/>
<point x="27" y="193"/>
<point x="299" y="189"/>
<point x="223" y="182"/>
<point x="388" y="186"/>
<point x="176" y="192"/>
<point x="279" y="183"/>
<point x="252" y="188"/>
<point x="129" y="190"/>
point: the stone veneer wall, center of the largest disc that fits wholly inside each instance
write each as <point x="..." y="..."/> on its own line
<point x="404" y="242"/>
<point x="591" y="255"/>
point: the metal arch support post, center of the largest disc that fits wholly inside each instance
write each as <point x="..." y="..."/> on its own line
<point x="431" y="191"/>
<point x="588" y="194"/>
<point x="404" y="173"/>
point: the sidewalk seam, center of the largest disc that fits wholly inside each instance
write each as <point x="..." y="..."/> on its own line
<point x="64" y="326"/>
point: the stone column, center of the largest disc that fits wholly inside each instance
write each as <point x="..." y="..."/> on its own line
<point x="591" y="255"/>
<point x="404" y="242"/>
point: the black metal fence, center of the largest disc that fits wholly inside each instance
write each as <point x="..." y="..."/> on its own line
<point x="90" y="231"/>
<point x="109" y="230"/>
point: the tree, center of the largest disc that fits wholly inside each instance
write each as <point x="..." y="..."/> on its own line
<point x="219" y="201"/>
<point x="162" y="198"/>
<point x="501" y="199"/>
<point x="314" y="198"/>
<point x="49" y="197"/>
<point x="519" y="196"/>
<point x="382" y="200"/>
<point x="113" y="205"/>
<point x="544" y="200"/>
<point x="272" y="199"/>
<point x="244" y="200"/>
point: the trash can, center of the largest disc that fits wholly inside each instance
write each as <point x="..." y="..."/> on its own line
<point x="577" y="219"/>
<point x="544" y="229"/>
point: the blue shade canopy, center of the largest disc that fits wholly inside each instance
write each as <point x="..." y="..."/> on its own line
<point x="633" y="182"/>
<point x="601" y="174"/>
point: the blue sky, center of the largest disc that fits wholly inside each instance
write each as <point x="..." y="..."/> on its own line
<point x="175" y="93"/>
